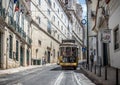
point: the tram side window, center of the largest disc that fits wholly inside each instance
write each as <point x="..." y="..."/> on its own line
<point x="62" y="51"/>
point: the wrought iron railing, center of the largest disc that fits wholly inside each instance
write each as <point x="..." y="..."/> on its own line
<point x="2" y="12"/>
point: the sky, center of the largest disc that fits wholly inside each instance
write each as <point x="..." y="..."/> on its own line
<point x="83" y="3"/>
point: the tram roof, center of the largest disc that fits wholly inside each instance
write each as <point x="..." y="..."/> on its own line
<point x="68" y="45"/>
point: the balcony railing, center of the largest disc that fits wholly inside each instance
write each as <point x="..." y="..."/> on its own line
<point x="2" y="12"/>
<point x="29" y="40"/>
<point x="12" y="23"/>
<point x="22" y="33"/>
<point x="16" y="27"/>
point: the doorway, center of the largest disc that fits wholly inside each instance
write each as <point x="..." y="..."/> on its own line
<point x="21" y="55"/>
<point x="105" y="54"/>
<point x="28" y="54"/>
<point x="48" y="57"/>
<point x="0" y="49"/>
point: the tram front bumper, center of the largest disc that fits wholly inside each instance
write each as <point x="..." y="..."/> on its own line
<point x="68" y="64"/>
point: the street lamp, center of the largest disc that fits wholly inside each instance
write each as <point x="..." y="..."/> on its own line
<point x="87" y="38"/>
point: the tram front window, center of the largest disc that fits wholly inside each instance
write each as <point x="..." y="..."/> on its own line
<point x="68" y="51"/>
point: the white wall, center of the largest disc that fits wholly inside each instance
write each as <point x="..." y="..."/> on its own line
<point x="113" y="22"/>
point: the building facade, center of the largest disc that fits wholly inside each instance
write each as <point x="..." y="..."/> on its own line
<point x="15" y="34"/>
<point x="107" y="18"/>
<point x="53" y="22"/>
<point x="31" y="31"/>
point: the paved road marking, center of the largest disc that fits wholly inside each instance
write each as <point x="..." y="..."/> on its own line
<point x="77" y="79"/>
<point x="82" y="79"/>
<point x="18" y="84"/>
<point x="57" y="82"/>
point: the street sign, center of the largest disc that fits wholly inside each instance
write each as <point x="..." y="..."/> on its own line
<point x="83" y="49"/>
<point x="106" y="35"/>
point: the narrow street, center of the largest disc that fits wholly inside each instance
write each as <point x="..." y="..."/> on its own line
<point x="47" y="75"/>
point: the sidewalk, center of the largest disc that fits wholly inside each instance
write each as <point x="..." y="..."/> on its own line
<point x="14" y="70"/>
<point x="94" y="74"/>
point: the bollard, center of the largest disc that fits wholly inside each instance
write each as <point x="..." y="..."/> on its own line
<point x="117" y="74"/>
<point x="91" y="68"/>
<point x="87" y="65"/>
<point x="100" y="71"/>
<point x="95" y="69"/>
<point x="105" y="72"/>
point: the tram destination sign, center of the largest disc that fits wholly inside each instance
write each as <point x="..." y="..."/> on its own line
<point x="106" y="35"/>
<point x="68" y="41"/>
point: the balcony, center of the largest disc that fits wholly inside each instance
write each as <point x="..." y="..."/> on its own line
<point x="12" y="23"/>
<point x="18" y="28"/>
<point x="29" y="40"/>
<point x="49" y="1"/>
<point x="22" y="33"/>
<point x="2" y="13"/>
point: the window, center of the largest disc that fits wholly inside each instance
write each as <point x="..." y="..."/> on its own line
<point x="22" y="22"/>
<point x="17" y="17"/>
<point x="61" y="15"/>
<point x="39" y="42"/>
<point x="10" y="46"/>
<point x="11" y="4"/>
<point x="17" y="47"/>
<point x="49" y="1"/>
<point x="54" y="18"/>
<point x="39" y="20"/>
<point x="49" y="27"/>
<point x="54" y="53"/>
<point x="0" y="4"/>
<point x="61" y="27"/>
<point x="39" y="2"/>
<point x="58" y="23"/>
<point x="116" y="38"/>
<point x="58" y="10"/>
<point x="48" y="12"/>
<point x="68" y="51"/>
<point x="54" y="4"/>
<point x="58" y="36"/>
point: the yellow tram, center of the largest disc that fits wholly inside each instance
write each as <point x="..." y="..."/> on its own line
<point x="68" y="54"/>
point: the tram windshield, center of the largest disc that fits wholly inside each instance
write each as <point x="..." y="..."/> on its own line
<point x="68" y="51"/>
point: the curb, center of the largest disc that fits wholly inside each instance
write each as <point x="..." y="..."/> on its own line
<point x="94" y="77"/>
<point x="20" y="69"/>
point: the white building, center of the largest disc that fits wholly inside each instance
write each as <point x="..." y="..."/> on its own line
<point x="52" y="23"/>
<point x="107" y="17"/>
<point x="114" y="25"/>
